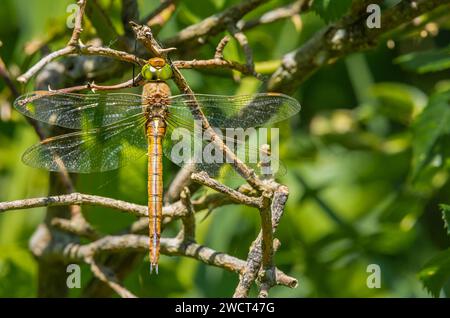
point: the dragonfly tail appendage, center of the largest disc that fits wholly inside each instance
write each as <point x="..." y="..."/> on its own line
<point x="153" y="266"/>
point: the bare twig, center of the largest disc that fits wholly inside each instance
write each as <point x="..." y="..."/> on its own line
<point x="105" y="275"/>
<point x="76" y="226"/>
<point x="187" y="232"/>
<point x="203" y="178"/>
<point x="219" y="62"/>
<point x="213" y="25"/>
<point x="243" y="42"/>
<point x="174" y="210"/>
<point x="255" y="256"/>
<point x="82" y="50"/>
<point x="166" y="5"/>
<point x="169" y="246"/>
<point x="266" y="231"/>
<point x="7" y="78"/>
<point x="4" y="73"/>
<point x="277" y="14"/>
<point x="94" y="87"/>
<point x="78" y="27"/>
<point x="207" y="202"/>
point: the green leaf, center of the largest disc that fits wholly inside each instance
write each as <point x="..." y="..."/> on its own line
<point x="218" y="4"/>
<point x="436" y="273"/>
<point x="446" y="216"/>
<point x="429" y="126"/>
<point x="331" y="10"/>
<point x="101" y="22"/>
<point x="398" y="101"/>
<point x="425" y="62"/>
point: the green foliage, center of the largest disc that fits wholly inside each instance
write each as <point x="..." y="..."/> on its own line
<point x="426" y="62"/>
<point x="436" y="273"/>
<point x="399" y="102"/>
<point x="446" y="216"/>
<point x="331" y="10"/>
<point x="432" y="124"/>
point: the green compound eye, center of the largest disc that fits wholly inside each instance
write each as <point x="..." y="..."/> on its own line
<point x="164" y="73"/>
<point x="151" y="73"/>
<point x="148" y="71"/>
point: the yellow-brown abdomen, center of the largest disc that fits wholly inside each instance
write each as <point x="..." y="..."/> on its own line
<point x="156" y="130"/>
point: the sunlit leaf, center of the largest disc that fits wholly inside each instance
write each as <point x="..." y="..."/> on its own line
<point x="398" y="101"/>
<point x="429" y="126"/>
<point x="446" y="216"/>
<point x="425" y="62"/>
<point x="436" y="273"/>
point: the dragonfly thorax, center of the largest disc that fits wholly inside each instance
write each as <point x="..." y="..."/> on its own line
<point x="155" y="97"/>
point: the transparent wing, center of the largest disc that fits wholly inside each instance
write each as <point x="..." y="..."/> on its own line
<point x="96" y="150"/>
<point x="186" y="146"/>
<point x="235" y="114"/>
<point x="78" y="111"/>
<point x="236" y="111"/>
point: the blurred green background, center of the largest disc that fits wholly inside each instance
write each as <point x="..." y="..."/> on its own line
<point x="367" y="158"/>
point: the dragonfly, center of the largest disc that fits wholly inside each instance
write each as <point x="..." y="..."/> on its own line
<point x="113" y="129"/>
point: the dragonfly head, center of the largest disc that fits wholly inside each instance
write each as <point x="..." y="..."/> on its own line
<point x="156" y="69"/>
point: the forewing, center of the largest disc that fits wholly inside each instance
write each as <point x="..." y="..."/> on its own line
<point x="79" y="111"/>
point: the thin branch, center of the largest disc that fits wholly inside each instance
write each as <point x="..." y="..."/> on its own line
<point x="187" y="233"/>
<point x="4" y="73"/>
<point x="208" y="202"/>
<point x="94" y="87"/>
<point x="164" y="6"/>
<point x="243" y="42"/>
<point x="76" y="226"/>
<point x="82" y="50"/>
<point x="266" y="231"/>
<point x="277" y="14"/>
<point x="78" y="28"/>
<point x="221" y="47"/>
<point x="169" y="246"/>
<point x="174" y="211"/>
<point x="219" y="62"/>
<point x="204" y="179"/>
<point x="106" y="275"/>
<point x="255" y="256"/>
<point x="76" y="199"/>
<point x="198" y="33"/>
<point x="182" y="179"/>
